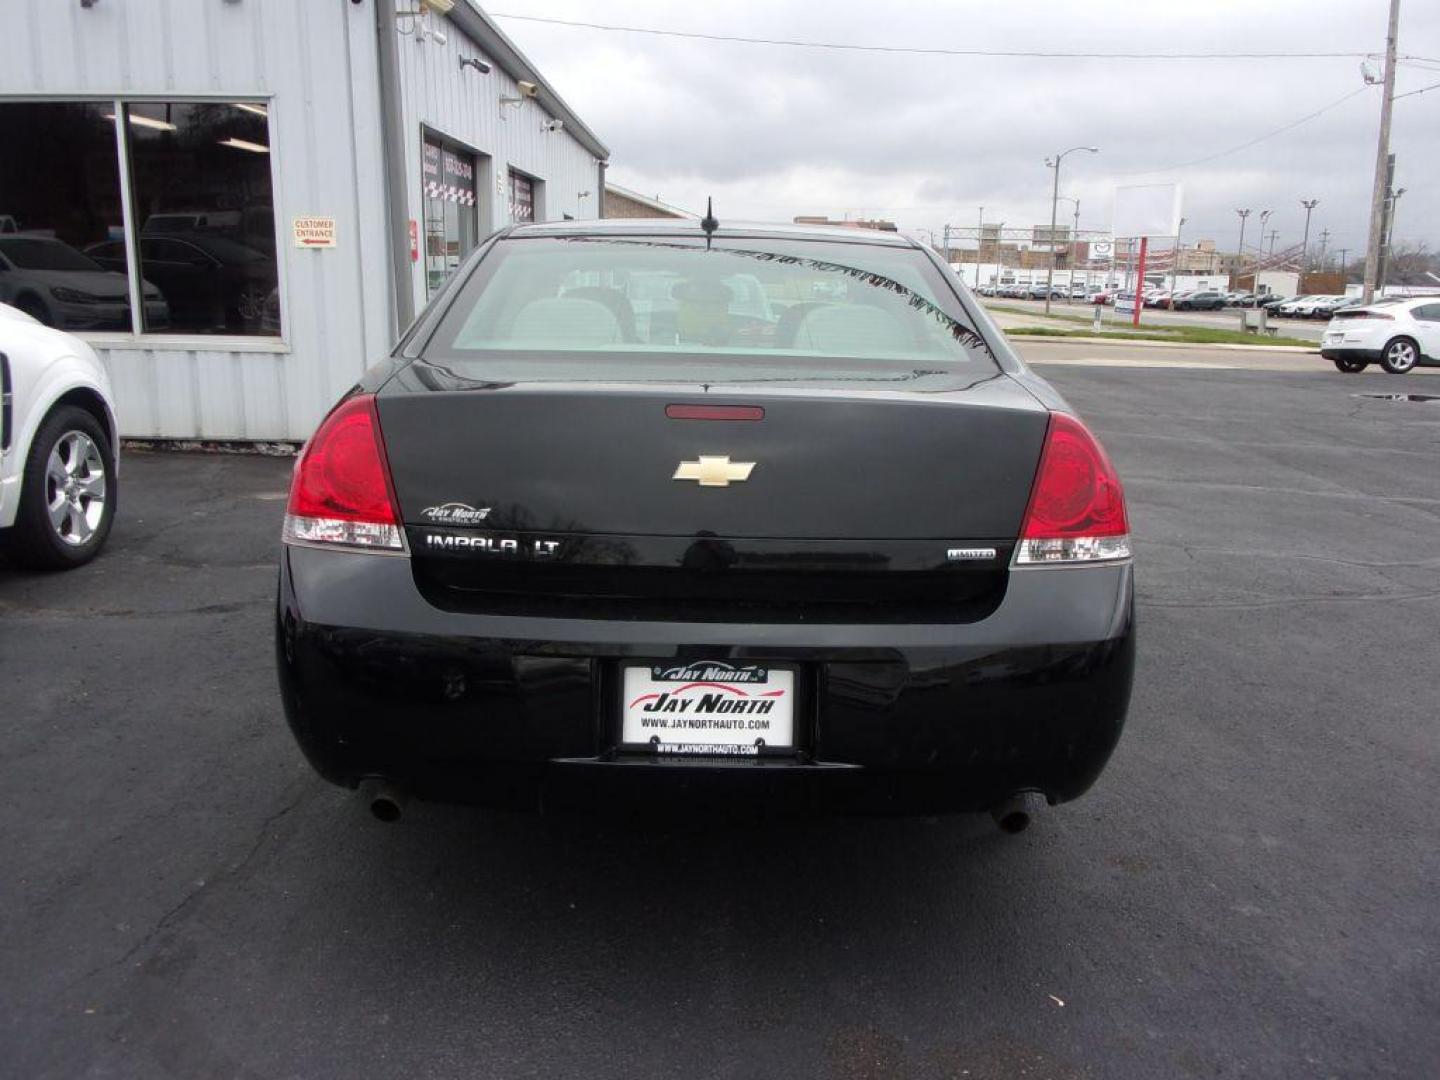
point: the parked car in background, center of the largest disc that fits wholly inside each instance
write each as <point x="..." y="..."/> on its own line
<point x="56" y="285"/>
<point x="1298" y="307"/>
<point x="1398" y="335"/>
<point x="59" y="447"/>
<point x="1200" y="300"/>
<point x="1272" y="301"/>
<point x="1326" y="306"/>
<point x="211" y="283"/>
<point x="1158" y="299"/>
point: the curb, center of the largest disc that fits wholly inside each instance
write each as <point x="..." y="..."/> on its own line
<point x="1016" y="342"/>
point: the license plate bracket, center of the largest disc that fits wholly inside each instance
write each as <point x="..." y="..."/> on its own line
<point x="697" y="708"/>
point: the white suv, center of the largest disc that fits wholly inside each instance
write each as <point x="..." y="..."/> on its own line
<point x="58" y="446"/>
<point x="1399" y="335"/>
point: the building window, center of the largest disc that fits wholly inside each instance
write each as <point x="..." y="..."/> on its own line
<point x="522" y="198"/>
<point x="451" y="213"/>
<point x="55" y="205"/>
<point x="201" y="206"/>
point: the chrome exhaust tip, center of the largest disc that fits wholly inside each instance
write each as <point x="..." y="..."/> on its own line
<point x="387" y="801"/>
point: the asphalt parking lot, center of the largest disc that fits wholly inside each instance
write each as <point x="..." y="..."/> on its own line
<point x="1250" y="890"/>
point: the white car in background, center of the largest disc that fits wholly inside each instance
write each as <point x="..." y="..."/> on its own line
<point x="59" y="452"/>
<point x="1399" y="335"/>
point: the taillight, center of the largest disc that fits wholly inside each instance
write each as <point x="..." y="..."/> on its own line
<point x="340" y="493"/>
<point x="1077" y="507"/>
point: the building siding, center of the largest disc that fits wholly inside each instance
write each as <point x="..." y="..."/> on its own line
<point x="463" y="106"/>
<point x="317" y="62"/>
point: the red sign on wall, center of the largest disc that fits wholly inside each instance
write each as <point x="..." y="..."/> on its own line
<point x="414" y="241"/>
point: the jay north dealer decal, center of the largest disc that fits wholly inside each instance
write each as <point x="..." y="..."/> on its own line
<point x="455" y="513"/>
<point x="709" y="688"/>
<point x="710" y="671"/>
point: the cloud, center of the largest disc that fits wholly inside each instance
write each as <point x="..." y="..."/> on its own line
<point x="773" y="131"/>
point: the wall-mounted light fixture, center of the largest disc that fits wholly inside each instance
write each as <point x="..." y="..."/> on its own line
<point x="474" y="61"/>
<point x="553" y="125"/>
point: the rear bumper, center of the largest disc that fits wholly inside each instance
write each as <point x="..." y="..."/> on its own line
<point x="516" y="711"/>
<point x="1350" y="352"/>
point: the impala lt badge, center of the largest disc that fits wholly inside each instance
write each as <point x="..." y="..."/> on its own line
<point x="714" y="471"/>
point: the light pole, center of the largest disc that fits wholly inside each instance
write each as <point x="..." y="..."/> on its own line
<point x="1175" y="263"/>
<point x="1384" y="271"/>
<point x="1344" y="253"/>
<point x="979" y="244"/>
<point x="1054" y="203"/>
<point x="1259" y="251"/>
<point x="1309" y="205"/>
<point x="1240" y="252"/>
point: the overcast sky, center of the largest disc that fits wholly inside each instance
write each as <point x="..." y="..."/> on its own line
<point x="774" y="131"/>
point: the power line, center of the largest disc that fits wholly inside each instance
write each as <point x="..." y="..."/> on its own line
<point x="1028" y="54"/>
<point x="1411" y="93"/>
<point x="1268" y="135"/>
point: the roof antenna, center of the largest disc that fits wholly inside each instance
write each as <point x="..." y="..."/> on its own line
<point x="708" y="222"/>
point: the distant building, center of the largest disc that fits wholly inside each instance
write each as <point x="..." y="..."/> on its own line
<point x="858" y="223"/>
<point x="623" y="203"/>
<point x="1200" y="258"/>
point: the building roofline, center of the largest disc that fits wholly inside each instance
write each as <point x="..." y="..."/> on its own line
<point x="645" y="200"/>
<point x="482" y="29"/>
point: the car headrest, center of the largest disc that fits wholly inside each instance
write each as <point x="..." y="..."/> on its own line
<point x="852" y="330"/>
<point x="564" y="322"/>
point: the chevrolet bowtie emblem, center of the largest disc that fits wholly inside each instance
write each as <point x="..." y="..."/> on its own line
<point x="714" y="471"/>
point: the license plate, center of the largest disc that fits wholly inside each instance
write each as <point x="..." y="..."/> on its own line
<point x="708" y="707"/>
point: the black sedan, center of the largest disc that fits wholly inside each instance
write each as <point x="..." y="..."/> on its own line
<point x="628" y="514"/>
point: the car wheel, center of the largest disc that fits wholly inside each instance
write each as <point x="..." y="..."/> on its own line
<point x="1349" y="365"/>
<point x="67" y="493"/>
<point x="1400" y="356"/>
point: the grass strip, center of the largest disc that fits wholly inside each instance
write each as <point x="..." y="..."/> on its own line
<point x="1185" y="335"/>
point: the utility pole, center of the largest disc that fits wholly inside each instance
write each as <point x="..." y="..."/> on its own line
<point x="1309" y="205"/>
<point x="1344" y="252"/>
<point x="1240" y="249"/>
<point x="1324" y="243"/>
<point x="1382" y="155"/>
<point x="1273" y="234"/>
<point x="946" y="256"/>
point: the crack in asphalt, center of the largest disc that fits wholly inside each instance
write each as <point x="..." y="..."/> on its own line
<point x="307" y="786"/>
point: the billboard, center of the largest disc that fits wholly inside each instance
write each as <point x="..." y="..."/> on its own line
<point x="1147" y="210"/>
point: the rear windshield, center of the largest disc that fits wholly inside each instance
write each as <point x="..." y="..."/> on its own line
<point x="654" y="309"/>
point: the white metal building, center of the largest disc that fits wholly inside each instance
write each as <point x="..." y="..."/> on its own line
<point x="291" y="180"/>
